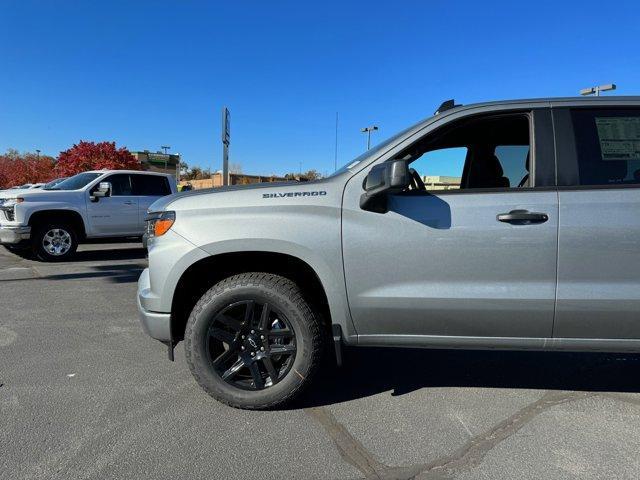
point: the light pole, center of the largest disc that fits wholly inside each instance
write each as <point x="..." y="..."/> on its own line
<point x="598" y="89"/>
<point x="368" y="131"/>
<point x="165" y="148"/>
<point x="178" y="166"/>
<point x="38" y="153"/>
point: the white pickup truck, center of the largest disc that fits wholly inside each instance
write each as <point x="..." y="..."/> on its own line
<point x="50" y="222"/>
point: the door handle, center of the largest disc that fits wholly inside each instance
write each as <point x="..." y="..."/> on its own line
<point x="128" y="202"/>
<point x="522" y="217"/>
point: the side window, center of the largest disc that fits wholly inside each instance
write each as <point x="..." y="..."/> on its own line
<point x="150" y="185"/>
<point x="441" y="169"/>
<point x="607" y="146"/>
<point x="120" y="184"/>
<point x="490" y="152"/>
<point x="515" y="163"/>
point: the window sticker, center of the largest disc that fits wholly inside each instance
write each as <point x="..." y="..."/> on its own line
<point x="619" y="137"/>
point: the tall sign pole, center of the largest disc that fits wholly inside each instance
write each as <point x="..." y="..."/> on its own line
<point x="226" y="136"/>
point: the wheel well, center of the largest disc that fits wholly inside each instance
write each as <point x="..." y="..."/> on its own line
<point x="202" y="275"/>
<point x="67" y="216"/>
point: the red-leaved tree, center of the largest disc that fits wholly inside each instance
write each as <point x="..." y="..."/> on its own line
<point x="94" y="156"/>
<point x="19" y="168"/>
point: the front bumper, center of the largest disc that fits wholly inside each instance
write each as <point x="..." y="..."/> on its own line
<point x="155" y="324"/>
<point x="10" y="235"/>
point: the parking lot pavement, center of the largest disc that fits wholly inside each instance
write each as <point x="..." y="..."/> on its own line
<point x="85" y="394"/>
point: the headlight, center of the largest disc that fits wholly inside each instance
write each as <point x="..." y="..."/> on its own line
<point x="8" y="203"/>
<point x="7" y="207"/>
<point x="159" y="223"/>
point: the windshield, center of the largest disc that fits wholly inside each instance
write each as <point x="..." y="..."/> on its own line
<point x="374" y="151"/>
<point x="53" y="183"/>
<point x="76" y="182"/>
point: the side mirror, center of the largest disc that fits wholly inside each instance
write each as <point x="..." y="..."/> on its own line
<point x="103" y="190"/>
<point x="383" y="179"/>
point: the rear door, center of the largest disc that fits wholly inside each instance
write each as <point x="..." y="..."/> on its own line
<point x="147" y="189"/>
<point x="599" y="235"/>
<point x="448" y="261"/>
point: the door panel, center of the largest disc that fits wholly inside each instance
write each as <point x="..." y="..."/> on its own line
<point x="599" y="264"/>
<point x="115" y="216"/>
<point x="599" y="234"/>
<point x="442" y="264"/>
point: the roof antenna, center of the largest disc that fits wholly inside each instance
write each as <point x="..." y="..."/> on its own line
<point x="446" y="105"/>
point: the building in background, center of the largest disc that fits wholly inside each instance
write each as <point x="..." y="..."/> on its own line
<point x="439" y="182"/>
<point x="158" y="161"/>
<point x="234" y="179"/>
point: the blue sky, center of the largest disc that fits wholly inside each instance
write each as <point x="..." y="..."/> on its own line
<point x="156" y="73"/>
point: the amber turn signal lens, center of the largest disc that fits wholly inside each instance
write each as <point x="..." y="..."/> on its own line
<point x="162" y="226"/>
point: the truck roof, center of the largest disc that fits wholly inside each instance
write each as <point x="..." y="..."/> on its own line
<point x="144" y="172"/>
<point x="551" y="101"/>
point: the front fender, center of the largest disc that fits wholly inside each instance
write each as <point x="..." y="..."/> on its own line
<point x="25" y="210"/>
<point x="330" y="276"/>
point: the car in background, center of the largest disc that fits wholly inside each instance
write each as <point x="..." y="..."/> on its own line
<point x="51" y="221"/>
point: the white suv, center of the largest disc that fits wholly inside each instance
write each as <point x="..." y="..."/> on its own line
<point x="50" y="222"/>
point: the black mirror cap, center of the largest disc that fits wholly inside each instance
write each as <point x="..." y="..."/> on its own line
<point x="382" y="179"/>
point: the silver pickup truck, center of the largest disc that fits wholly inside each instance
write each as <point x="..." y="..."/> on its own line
<point x="534" y="245"/>
<point x="51" y="221"/>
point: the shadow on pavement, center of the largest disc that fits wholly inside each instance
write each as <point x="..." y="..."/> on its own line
<point x="369" y="371"/>
<point x="119" y="273"/>
<point x="109" y="254"/>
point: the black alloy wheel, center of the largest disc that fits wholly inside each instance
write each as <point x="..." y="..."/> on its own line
<point x="251" y="345"/>
<point x="254" y="341"/>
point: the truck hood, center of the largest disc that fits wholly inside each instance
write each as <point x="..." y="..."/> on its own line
<point x="39" y="195"/>
<point x="164" y="202"/>
<point x="18" y="192"/>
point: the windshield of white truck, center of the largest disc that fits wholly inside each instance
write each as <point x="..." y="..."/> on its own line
<point x="76" y="182"/>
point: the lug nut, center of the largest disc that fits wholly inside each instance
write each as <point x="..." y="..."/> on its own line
<point x="261" y="337"/>
<point x="241" y="348"/>
<point x="253" y="354"/>
<point x="243" y="337"/>
<point x="262" y="349"/>
<point x="253" y="331"/>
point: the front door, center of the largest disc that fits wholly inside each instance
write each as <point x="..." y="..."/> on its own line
<point x="599" y="236"/>
<point x="472" y="252"/>
<point x="116" y="215"/>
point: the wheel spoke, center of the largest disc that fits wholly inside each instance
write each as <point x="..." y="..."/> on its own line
<point x="223" y="335"/>
<point x="224" y="357"/>
<point x="248" y="313"/>
<point x="264" y="316"/>
<point x="227" y="375"/>
<point x="273" y="374"/>
<point x="257" y="376"/>
<point x="277" y="349"/>
<point x="229" y="321"/>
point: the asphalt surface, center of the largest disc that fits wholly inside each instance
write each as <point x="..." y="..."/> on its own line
<point x="85" y="394"/>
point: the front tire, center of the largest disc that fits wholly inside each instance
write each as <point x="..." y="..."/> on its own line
<point x="252" y="341"/>
<point x="54" y="242"/>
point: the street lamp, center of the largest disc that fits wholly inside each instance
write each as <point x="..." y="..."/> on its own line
<point x="165" y="148"/>
<point x="38" y="153"/>
<point x="368" y="131"/>
<point x="598" y="89"/>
